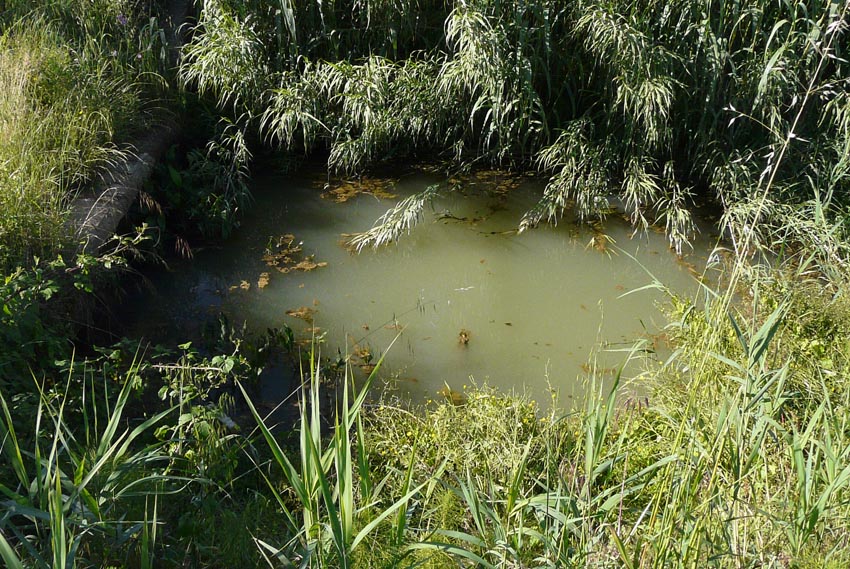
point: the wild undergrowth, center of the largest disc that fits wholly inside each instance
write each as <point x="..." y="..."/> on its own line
<point x="199" y="192"/>
<point x="77" y="78"/>
<point x="732" y="452"/>
<point x="128" y="455"/>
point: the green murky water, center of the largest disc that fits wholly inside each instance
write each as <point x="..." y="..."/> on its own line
<point x="467" y="298"/>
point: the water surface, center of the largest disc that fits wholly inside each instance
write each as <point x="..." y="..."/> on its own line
<point x="468" y="299"/>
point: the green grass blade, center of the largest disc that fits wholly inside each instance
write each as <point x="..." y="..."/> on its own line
<point x="10" y="558"/>
<point x="118" y="448"/>
<point x="765" y="334"/>
<point x="58" y="537"/>
<point x="9" y="443"/>
<point x="621" y="549"/>
<point x="314" y="457"/>
<point x="363" y="533"/>
<point x="115" y="416"/>
<point x="286" y="466"/>
<point x="363" y="468"/>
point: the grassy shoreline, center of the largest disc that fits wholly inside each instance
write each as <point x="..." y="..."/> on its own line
<point x="78" y="82"/>
<point x="737" y="456"/>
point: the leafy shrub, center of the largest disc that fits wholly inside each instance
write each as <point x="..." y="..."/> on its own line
<point x="205" y="191"/>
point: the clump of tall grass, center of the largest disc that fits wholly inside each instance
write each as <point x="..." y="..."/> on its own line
<point x="752" y="399"/>
<point x="75" y="493"/>
<point x="461" y="432"/>
<point x="336" y="505"/>
<point x="44" y="152"/>
<point x="74" y="84"/>
<point x="226" y="57"/>
<point x="97" y="473"/>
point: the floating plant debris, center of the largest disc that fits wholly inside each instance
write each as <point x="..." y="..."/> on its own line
<point x="285" y="256"/>
<point x="244" y="285"/>
<point x="592" y="369"/>
<point x="340" y="191"/>
<point x="282" y="252"/>
<point x="304" y="313"/>
<point x="600" y="242"/>
<point x="307" y="264"/>
<point x="363" y="352"/>
<point x="447" y="216"/>
<point x="452" y="396"/>
<point x="494" y="182"/>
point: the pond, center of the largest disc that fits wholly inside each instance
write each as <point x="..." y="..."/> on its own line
<point x="468" y="298"/>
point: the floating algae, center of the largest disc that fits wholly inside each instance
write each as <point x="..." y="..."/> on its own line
<point x="285" y="256"/>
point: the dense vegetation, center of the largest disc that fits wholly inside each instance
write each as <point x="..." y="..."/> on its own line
<point x="738" y="456"/>
<point x="78" y="78"/>
<point x="661" y="104"/>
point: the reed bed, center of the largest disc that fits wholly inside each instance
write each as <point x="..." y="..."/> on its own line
<point x="663" y="106"/>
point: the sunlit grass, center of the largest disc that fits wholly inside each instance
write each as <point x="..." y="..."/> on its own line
<point x="32" y="172"/>
<point x="69" y="96"/>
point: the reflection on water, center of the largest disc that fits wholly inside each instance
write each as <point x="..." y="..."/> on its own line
<point x="468" y="298"/>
